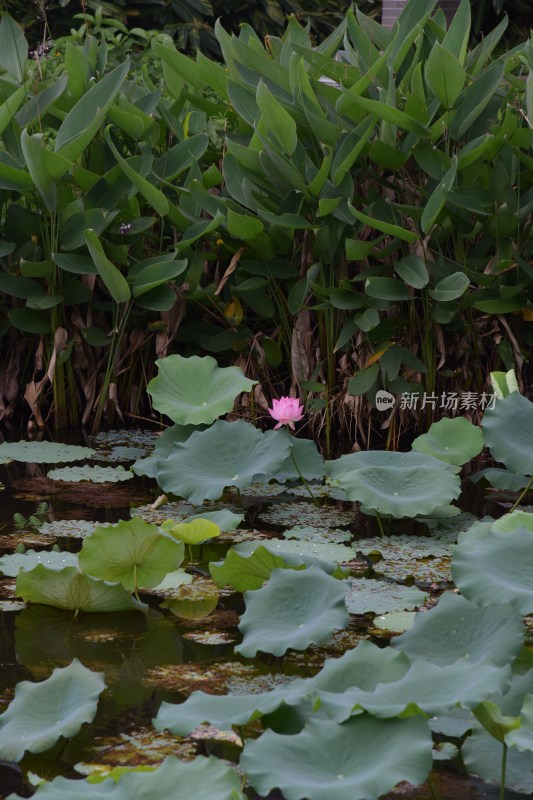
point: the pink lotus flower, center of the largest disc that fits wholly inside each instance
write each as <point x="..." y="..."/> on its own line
<point x="287" y="410"/>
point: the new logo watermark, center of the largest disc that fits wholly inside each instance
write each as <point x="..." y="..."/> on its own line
<point x="447" y="401"/>
<point x="384" y="400"/>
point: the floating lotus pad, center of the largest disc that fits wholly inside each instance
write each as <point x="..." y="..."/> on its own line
<point x="508" y="431"/>
<point x="44" y="452"/>
<point x="396" y="621"/>
<point x="296" y="553"/>
<point x="42" y="712"/>
<point x="379" y="597"/>
<point x="71" y="528"/>
<point x="454" y="441"/>
<point x="295" y="609"/>
<point x="319" y="517"/>
<point x="318" y="535"/>
<point x="195" y="390"/>
<point x="93" y="474"/>
<point x="226" y="454"/>
<point x="399" y="484"/>
<point x="133" y="553"/>
<point x="11" y="565"/>
<point x="365" y="757"/>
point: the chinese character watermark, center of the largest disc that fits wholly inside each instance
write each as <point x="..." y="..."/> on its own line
<point x="446" y="401"/>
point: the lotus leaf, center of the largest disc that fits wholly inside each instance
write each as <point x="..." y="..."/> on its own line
<point x="245" y="573"/>
<point x="365" y="666"/>
<point x="296" y="553"/>
<point x="303" y="459"/>
<point x="227" y="521"/>
<point x="173" y="780"/>
<point x="522" y="738"/>
<point x="44" y="452"/>
<point x="396" y="621"/>
<point x="133" y="553"/>
<point x="171" y="583"/>
<point x="93" y="474"/>
<point x="454" y="723"/>
<point x="404" y="548"/>
<point x="508" y="431"/>
<point x="456" y="628"/>
<point x="176" y="434"/>
<point x="226" y="454"/>
<point x="364" y="757"/>
<point x="318" y="535"/>
<point x="227" y="710"/>
<point x="320" y="517"/>
<point x="294" y="610"/>
<point x="482" y="755"/>
<point x="510" y="522"/>
<point x="195" y="390"/>
<point x="42" y="712"/>
<point x="379" y="597"/>
<point x="501" y="479"/>
<point x="191" y="609"/>
<point x="498" y="565"/>
<point x="194" y="532"/>
<point x="12" y="564"/>
<point x="426" y="687"/>
<point x="400" y="484"/>
<point x="70" y="589"/>
<point x="70" y="528"/>
<point x="454" y="441"/>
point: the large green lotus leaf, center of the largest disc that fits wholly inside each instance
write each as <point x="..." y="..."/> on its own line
<point x="44" y="452"/>
<point x="11" y="565"/>
<point x="195" y="390"/>
<point x="456" y="628"/>
<point x="295" y="609"/>
<point x="400" y="484"/>
<point x="522" y="738"/>
<point x="42" y="712"/>
<point x="192" y="533"/>
<point x="176" y="434"/>
<point x="94" y="474"/>
<point x="482" y="755"/>
<point x="133" y="553"/>
<point x="454" y="441"/>
<point x="426" y="687"/>
<point x="226" y="454"/>
<point x="365" y="666"/>
<point x="301" y="551"/>
<point x="304" y="457"/>
<point x="508" y="431"/>
<point x="208" y="778"/>
<point x="226" y="710"/>
<point x="501" y="479"/>
<point x="228" y="521"/>
<point x="72" y="590"/>
<point x="379" y="597"/>
<point x="363" y="758"/>
<point x="516" y="519"/>
<point x="499" y="565"/>
<point x="245" y="573"/>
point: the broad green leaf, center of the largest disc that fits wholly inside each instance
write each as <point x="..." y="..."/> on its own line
<point x="243" y="226"/>
<point x="476" y="98"/>
<point x="30" y="321"/>
<point x="39" y="103"/>
<point x="386" y="289"/>
<point x="133" y="553"/>
<point x="508" y="432"/>
<point x="84" y="120"/>
<point x="436" y="201"/>
<point x="400" y="484"/>
<point x="42" y="712"/>
<point x="458" y="629"/>
<point x="304" y="459"/>
<point x="394" y="116"/>
<point x="445" y="75"/>
<point x="69" y="589"/>
<point x="385" y="227"/>
<point x="195" y="390"/>
<point x="276" y="119"/>
<point x="498" y="565"/>
<point x="363" y="380"/>
<point x="9" y="108"/>
<point x="13" y="48"/>
<point x="519" y="729"/>
<point x="454" y="441"/>
<point x="180" y="157"/>
<point x="151" y="194"/>
<point x="44" y="452"/>
<point x="295" y="609"/>
<point x="156" y="274"/>
<point x="482" y="755"/>
<point x="244" y="573"/>
<point x="492" y="719"/>
<point x="226" y="454"/>
<point x="412" y="271"/>
<point x="32" y="149"/>
<point x="450" y="288"/>
<point x="172" y="780"/>
<point x="364" y="757"/>
<point x="347" y="153"/>
<point x="115" y="282"/>
<point x="194" y="532"/>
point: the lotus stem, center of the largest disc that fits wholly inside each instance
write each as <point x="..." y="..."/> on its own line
<point x="380" y="525"/>
<point x="525" y="491"/>
<point x="504" y="768"/>
<point x="313" y="498"/>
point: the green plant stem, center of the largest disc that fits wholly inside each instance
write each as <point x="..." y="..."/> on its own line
<point x="526" y="490"/>
<point x="502" y="777"/>
<point x="304" y="482"/>
<point x="380" y="525"/>
<point x="433" y="793"/>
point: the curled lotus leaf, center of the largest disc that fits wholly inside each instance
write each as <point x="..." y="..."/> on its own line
<point x="399" y="484"/>
<point x="295" y="609"/>
<point x="226" y="454"/>
<point x="364" y="757"/>
<point x="44" y="452"/>
<point x="508" y="432"/>
<point x="133" y="552"/>
<point x="71" y="590"/>
<point x="42" y="712"/>
<point x="193" y="532"/>
<point x="195" y="390"/>
<point x="454" y="441"/>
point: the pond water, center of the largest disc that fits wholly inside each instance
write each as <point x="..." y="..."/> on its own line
<point x="160" y="656"/>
